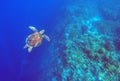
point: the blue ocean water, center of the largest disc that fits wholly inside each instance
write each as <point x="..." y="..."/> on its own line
<point x="84" y="46"/>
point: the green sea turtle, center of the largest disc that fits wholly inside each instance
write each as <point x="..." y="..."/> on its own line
<point x="35" y="39"/>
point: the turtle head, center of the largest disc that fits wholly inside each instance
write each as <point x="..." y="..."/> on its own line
<point x="42" y="31"/>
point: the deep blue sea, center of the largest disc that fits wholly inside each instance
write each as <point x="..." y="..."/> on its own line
<point x="84" y="40"/>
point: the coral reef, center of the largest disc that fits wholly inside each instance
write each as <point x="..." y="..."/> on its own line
<point x="84" y="48"/>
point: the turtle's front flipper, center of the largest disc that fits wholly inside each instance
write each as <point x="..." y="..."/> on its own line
<point x="33" y="28"/>
<point x="46" y="37"/>
<point x="30" y="49"/>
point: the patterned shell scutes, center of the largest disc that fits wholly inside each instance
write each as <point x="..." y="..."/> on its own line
<point x="34" y="39"/>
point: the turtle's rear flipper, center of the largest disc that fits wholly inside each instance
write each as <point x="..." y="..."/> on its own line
<point x="30" y="49"/>
<point x="25" y="46"/>
<point x="33" y="28"/>
<point x="46" y="37"/>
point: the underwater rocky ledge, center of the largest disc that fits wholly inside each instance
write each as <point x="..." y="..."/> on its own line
<point x="85" y="47"/>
